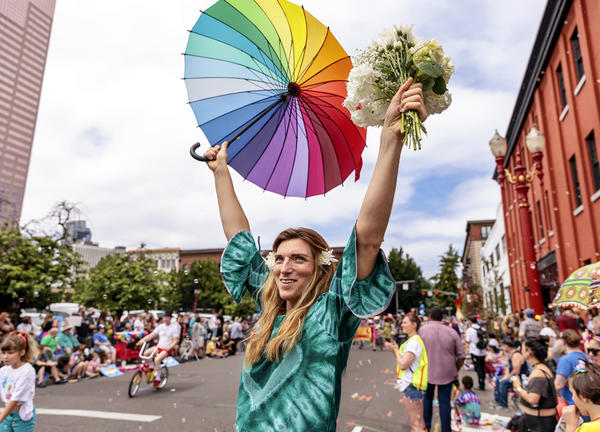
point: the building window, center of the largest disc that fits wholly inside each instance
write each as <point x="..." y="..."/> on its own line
<point x="577" y="54"/>
<point x="549" y="216"/>
<point x="503" y="244"/>
<point x="587" y="262"/>
<point x="485" y="232"/>
<point x="561" y="86"/>
<point x="498" y="252"/>
<point x="591" y="143"/>
<point x="575" y="177"/>
<point x="540" y="218"/>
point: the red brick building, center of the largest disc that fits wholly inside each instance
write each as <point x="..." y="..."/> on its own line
<point x="560" y="94"/>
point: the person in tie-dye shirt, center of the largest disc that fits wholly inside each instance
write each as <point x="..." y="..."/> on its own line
<point x="467" y="403"/>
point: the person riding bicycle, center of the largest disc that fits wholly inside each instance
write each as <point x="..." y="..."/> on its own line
<point x="168" y="338"/>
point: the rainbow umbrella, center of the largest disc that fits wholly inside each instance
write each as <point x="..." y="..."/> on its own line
<point x="581" y="289"/>
<point x="270" y="79"/>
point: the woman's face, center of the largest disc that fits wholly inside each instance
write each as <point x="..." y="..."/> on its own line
<point x="408" y="325"/>
<point x="593" y="350"/>
<point x="294" y="266"/>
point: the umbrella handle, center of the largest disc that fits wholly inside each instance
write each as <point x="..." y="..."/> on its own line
<point x="196" y="155"/>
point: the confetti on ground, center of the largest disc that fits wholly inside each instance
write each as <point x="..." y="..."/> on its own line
<point x="389" y="414"/>
<point x="373" y="380"/>
<point x="354" y="396"/>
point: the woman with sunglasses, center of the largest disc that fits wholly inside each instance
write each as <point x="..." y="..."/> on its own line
<point x="539" y="398"/>
<point x="593" y="348"/>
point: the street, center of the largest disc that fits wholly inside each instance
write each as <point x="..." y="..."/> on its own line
<point x="201" y="396"/>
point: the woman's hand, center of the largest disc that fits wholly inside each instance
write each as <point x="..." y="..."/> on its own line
<point x="217" y="156"/>
<point x="408" y="97"/>
<point x="391" y="346"/>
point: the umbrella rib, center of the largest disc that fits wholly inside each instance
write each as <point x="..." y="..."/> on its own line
<point x="257" y="29"/>
<point x="308" y="107"/>
<point x="234" y="62"/>
<point x="338" y="128"/>
<point x="295" y="113"/>
<point x="303" y="53"/>
<point x="301" y="75"/>
<point x="234" y="92"/>
<point x="281" y="47"/>
<point x="259" y="75"/>
<point x="287" y="127"/>
<point x="263" y="152"/>
<point x="228" y="112"/>
<point x="318" y="72"/>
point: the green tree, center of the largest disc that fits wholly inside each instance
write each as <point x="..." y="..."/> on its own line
<point x="212" y="294"/>
<point x="446" y="280"/>
<point x="35" y="270"/>
<point x="121" y="282"/>
<point x="403" y="267"/>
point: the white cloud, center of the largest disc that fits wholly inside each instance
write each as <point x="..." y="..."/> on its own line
<point x="114" y="128"/>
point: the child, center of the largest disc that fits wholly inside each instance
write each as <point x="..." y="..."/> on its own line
<point x="77" y="365"/>
<point x="17" y="382"/>
<point x="93" y="369"/>
<point x="586" y="395"/>
<point x="467" y="403"/>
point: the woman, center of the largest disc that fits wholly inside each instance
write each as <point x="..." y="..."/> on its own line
<point x="539" y="398"/>
<point x="411" y="366"/>
<point x="568" y="363"/>
<point x="310" y="311"/>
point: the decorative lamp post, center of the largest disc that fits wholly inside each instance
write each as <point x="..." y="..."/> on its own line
<point x="196" y="293"/>
<point x="535" y="141"/>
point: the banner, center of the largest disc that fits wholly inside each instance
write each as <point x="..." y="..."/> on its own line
<point x="110" y="371"/>
<point x="363" y="334"/>
<point x="170" y="362"/>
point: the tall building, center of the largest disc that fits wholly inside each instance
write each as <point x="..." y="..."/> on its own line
<point x="77" y="231"/>
<point x="24" y="35"/>
<point x="560" y="94"/>
<point x="477" y="233"/>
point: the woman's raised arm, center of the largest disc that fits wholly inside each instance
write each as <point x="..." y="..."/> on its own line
<point x="377" y="205"/>
<point x="233" y="218"/>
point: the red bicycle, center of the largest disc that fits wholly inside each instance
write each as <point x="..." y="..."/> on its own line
<point x="146" y="369"/>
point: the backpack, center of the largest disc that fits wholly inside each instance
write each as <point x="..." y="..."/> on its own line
<point x="532" y="329"/>
<point x="482" y="338"/>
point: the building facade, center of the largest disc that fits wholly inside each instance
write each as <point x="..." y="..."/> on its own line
<point x="167" y="259"/>
<point x="560" y="94"/>
<point x="92" y="254"/>
<point x="477" y="233"/>
<point x="494" y="271"/>
<point x="25" y="27"/>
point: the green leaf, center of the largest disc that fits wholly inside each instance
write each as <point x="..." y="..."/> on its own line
<point x="428" y="84"/>
<point x="430" y="68"/>
<point x="440" y="86"/>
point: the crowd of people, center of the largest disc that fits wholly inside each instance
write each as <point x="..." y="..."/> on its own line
<point x="546" y="368"/>
<point x="69" y="353"/>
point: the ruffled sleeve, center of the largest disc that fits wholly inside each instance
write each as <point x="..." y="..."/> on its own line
<point x="349" y="300"/>
<point x="242" y="267"/>
<point x="370" y="296"/>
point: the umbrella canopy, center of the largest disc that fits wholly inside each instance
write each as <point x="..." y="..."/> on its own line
<point x="581" y="289"/>
<point x="271" y="71"/>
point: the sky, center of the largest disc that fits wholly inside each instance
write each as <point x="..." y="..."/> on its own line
<point x="114" y="126"/>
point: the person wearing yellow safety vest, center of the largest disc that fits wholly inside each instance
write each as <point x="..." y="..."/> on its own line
<point x="411" y="365"/>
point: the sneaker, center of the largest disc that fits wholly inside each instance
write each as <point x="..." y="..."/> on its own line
<point x="41" y="384"/>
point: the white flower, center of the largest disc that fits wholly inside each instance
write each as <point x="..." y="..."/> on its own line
<point x="326" y="257"/>
<point x="435" y="104"/>
<point x="270" y="260"/>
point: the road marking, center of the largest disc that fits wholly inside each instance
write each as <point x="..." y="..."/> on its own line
<point x="111" y="415"/>
<point x="357" y="429"/>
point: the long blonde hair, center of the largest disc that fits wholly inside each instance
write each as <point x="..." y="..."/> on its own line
<point x="290" y="330"/>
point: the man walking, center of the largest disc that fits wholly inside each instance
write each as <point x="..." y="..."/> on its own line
<point x="529" y="328"/>
<point x="476" y="337"/>
<point x="446" y="355"/>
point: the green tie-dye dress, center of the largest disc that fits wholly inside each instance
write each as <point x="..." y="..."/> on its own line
<point x="301" y="392"/>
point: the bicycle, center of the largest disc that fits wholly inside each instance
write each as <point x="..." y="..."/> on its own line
<point x="146" y="369"/>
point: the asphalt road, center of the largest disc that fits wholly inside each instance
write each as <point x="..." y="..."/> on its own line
<point x="201" y="396"/>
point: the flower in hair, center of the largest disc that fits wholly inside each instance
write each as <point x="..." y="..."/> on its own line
<point x="326" y="257"/>
<point x="270" y="260"/>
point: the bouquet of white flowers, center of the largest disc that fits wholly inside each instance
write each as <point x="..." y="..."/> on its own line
<point x="383" y="67"/>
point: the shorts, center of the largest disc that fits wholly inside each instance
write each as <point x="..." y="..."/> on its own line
<point x="159" y="350"/>
<point x="14" y="423"/>
<point x="414" y="394"/>
<point x="105" y="348"/>
<point x="198" y="343"/>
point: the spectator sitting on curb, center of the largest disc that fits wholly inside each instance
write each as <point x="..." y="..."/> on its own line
<point x="67" y="339"/>
<point x="43" y="365"/>
<point x="101" y="343"/>
<point x="49" y="342"/>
